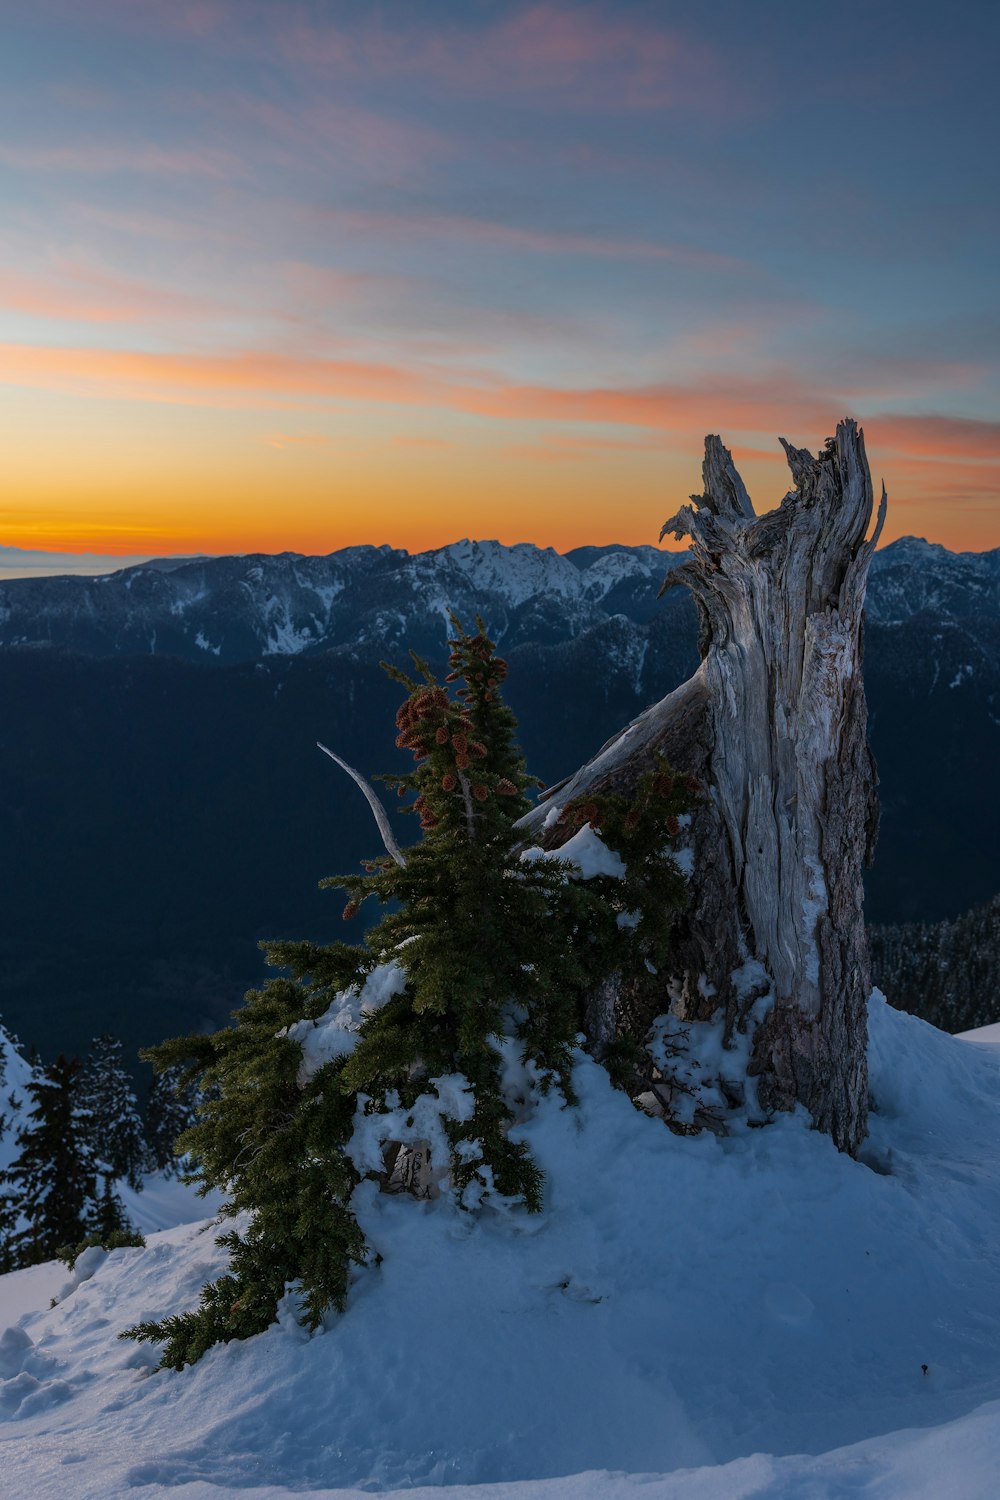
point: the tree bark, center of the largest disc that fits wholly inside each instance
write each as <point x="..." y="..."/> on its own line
<point x="773" y="726"/>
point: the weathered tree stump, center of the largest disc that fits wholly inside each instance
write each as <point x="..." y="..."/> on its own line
<point x="773" y="726"/>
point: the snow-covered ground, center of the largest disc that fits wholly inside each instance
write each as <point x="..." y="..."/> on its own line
<point x="983" y="1034"/>
<point x="757" y="1318"/>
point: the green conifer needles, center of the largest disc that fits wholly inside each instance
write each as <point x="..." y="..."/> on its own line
<point x="51" y="1188"/>
<point x="411" y="1058"/>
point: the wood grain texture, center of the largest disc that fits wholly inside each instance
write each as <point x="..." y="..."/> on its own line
<point x="773" y="724"/>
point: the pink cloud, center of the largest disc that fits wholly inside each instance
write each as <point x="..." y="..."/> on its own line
<point x="593" y="57"/>
<point x="936" y="436"/>
<point x="776" y="402"/>
<point x="571" y="55"/>
<point x="83" y="294"/>
<point x="253" y="377"/>
<point x="640" y="66"/>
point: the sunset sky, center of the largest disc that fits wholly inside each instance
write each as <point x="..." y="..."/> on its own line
<point x="302" y="274"/>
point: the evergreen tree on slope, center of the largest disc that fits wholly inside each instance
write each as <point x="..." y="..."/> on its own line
<point x="52" y="1185"/>
<point x="170" y="1111"/>
<point x="11" y="1106"/>
<point x="484" y="953"/>
<point x="115" y="1125"/>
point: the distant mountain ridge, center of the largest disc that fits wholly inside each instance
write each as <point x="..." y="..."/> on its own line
<point x="235" y="609"/>
<point x="912" y="575"/>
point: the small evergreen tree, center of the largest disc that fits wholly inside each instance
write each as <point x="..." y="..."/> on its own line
<point x="8" y="1214"/>
<point x="108" y="1219"/>
<point x="13" y="1103"/>
<point x="115" y="1125"/>
<point x="5" y="1119"/>
<point x="52" y="1185"/>
<point x="170" y="1111"/>
<point x="8" y="1225"/>
<point x="486" y="950"/>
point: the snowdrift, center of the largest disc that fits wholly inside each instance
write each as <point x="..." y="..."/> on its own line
<point x="698" y="1318"/>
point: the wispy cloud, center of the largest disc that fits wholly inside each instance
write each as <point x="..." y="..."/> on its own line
<point x="765" y="403"/>
<point x="311" y="132"/>
<point x="101" y="158"/>
<point x="536" y="239"/>
<point x="911" y="447"/>
<point x="931" y="436"/>
<point x="298" y="439"/>
<point x="570" y="55"/>
<point x="558" y="54"/>
<point x="83" y="294"/>
<point x="227" y="378"/>
<point x="572" y="447"/>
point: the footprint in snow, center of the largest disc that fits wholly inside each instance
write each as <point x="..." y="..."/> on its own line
<point x="577" y="1290"/>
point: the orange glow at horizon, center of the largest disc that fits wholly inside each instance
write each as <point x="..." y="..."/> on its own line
<point x="299" y="276"/>
<point x="160" y="454"/>
<point x="615" y="499"/>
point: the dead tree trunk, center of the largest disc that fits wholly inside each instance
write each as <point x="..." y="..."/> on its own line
<point x="773" y="725"/>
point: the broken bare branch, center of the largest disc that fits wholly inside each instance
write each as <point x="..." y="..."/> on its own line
<point x="381" y="816"/>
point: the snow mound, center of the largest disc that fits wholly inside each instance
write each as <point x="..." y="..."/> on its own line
<point x="586" y="850"/>
<point x="689" y="1317"/>
<point x="336" y="1032"/>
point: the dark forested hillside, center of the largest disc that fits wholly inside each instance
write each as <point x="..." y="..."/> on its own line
<point x="946" y="972"/>
<point x="161" y="817"/>
<point x="934" y="699"/>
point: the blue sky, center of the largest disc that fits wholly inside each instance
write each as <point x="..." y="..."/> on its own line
<point x="274" y="274"/>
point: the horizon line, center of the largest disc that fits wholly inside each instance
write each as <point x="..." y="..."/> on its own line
<point x="125" y="562"/>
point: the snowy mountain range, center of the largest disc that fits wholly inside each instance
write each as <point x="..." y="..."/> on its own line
<point x="234" y="609"/>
